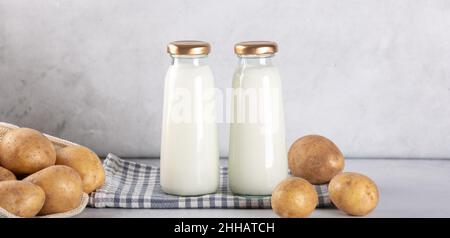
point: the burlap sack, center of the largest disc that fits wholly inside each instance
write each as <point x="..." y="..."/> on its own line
<point x="58" y="143"/>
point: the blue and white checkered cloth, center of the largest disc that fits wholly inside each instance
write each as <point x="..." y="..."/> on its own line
<point x="134" y="185"/>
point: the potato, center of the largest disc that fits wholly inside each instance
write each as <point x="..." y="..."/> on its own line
<point x="21" y="198"/>
<point x="6" y="175"/>
<point x="353" y="193"/>
<point x="25" y="151"/>
<point x="86" y="163"/>
<point x="62" y="186"/>
<point x="294" y="197"/>
<point x="315" y="158"/>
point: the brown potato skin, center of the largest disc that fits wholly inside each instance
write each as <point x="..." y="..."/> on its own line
<point x="20" y="198"/>
<point x="315" y="158"/>
<point x="353" y="193"/>
<point x="6" y="175"/>
<point x="86" y="163"/>
<point x="294" y="198"/>
<point x="25" y="151"/>
<point x="62" y="186"/>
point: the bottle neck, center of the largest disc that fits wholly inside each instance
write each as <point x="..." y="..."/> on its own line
<point x="189" y="60"/>
<point x="255" y="60"/>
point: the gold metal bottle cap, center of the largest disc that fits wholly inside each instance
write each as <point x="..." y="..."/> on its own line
<point x="188" y="47"/>
<point x="256" y="48"/>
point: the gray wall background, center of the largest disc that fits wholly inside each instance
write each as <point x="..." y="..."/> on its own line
<point x="373" y="76"/>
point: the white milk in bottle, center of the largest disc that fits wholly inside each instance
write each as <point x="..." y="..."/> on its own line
<point x="257" y="150"/>
<point x="189" y="141"/>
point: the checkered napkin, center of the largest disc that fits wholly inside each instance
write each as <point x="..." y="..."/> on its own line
<point x="133" y="185"/>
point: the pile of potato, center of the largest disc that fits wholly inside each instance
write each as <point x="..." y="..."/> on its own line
<point x="314" y="159"/>
<point x="52" y="181"/>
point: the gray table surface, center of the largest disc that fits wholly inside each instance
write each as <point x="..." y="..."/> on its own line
<point x="408" y="188"/>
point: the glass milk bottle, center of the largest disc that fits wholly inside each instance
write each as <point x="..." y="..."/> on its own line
<point x="257" y="152"/>
<point x="189" y="141"/>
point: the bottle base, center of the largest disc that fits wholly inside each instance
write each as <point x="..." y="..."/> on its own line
<point x="243" y="192"/>
<point x="188" y="193"/>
